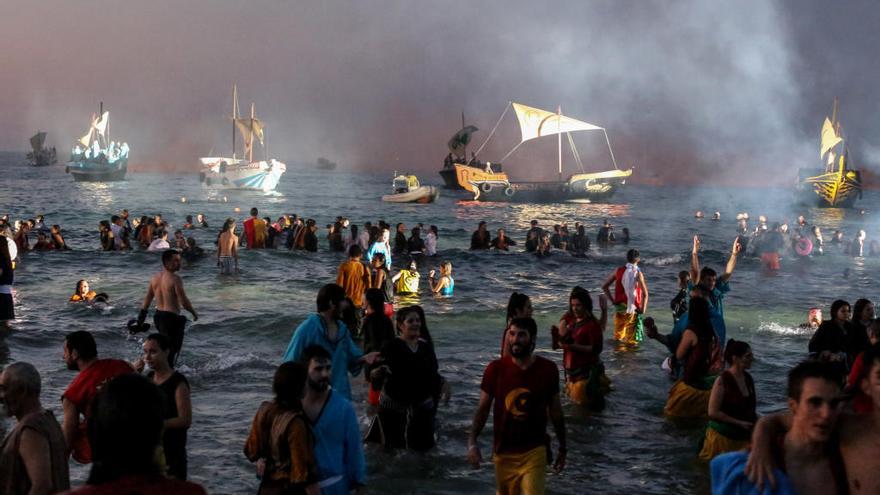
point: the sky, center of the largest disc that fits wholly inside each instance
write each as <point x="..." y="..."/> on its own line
<point x="690" y="91"/>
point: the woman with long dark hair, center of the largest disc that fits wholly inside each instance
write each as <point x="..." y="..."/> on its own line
<point x="280" y="440"/>
<point x="829" y="341"/>
<point x="407" y="404"/>
<point x="580" y="336"/>
<point x="377" y="330"/>
<point x="732" y="404"/>
<point x="698" y="352"/>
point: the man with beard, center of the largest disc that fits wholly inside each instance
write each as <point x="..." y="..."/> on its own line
<point x="524" y="388"/>
<point x="338" y="447"/>
<point x="32" y="456"/>
<point x="81" y="353"/>
<point x="325" y="329"/>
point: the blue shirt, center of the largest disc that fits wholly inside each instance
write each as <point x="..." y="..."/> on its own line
<point x="716" y="313"/>
<point x="343" y="351"/>
<point x="729" y="477"/>
<point x="339" y="451"/>
<point x="379" y="247"/>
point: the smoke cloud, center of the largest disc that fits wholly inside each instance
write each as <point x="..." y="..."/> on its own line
<point x="690" y="91"/>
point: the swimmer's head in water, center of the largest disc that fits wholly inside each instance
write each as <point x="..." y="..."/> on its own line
<point x="82" y="287"/>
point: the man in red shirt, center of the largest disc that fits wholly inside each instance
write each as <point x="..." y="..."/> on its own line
<point x="255" y="231"/>
<point x="524" y="389"/>
<point x="81" y="353"/>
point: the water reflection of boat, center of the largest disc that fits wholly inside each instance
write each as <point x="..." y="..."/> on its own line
<point x="837" y="185"/>
<point x="100" y="159"/>
<point x="41" y="156"/>
<point x="325" y="164"/>
<point x="457" y="169"/>
<point x="238" y="173"/>
<point x="535" y="123"/>
<point x="408" y="190"/>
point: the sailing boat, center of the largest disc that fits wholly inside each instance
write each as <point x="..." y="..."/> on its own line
<point x="238" y="173"/>
<point x="535" y="123"/>
<point x="100" y="159"/>
<point x="837" y="185"/>
<point x="457" y="171"/>
<point x="40" y="156"/>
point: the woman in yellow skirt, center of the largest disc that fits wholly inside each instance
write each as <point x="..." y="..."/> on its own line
<point x="731" y="404"/>
<point x="689" y="397"/>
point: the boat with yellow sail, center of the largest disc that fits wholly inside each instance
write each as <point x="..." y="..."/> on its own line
<point x="837" y="185"/>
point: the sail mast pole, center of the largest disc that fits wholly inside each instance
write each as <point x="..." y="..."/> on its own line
<point x="465" y="144"/>
<point x="234" y="104"/>
<point x="559" y="137"/>
<point x="100" y="114"/>
<point x="251" y="140"/>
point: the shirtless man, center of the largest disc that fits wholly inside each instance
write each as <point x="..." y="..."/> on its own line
<point x="167" y="288"/>
<point x="227" y="249"/>
<point x="858" y="434"/>
<point x="812" y="462"/>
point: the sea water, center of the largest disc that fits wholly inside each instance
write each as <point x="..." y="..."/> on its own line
<point x="246" y="321"/>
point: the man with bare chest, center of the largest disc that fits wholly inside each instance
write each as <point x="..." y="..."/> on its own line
<point x="166" y="287"/>
<point x="227" y="250"/>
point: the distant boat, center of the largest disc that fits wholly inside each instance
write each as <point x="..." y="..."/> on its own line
<point x="408" y="190"/>
<point x="41" y="156"/>
<point x="238" y="173"/>
<point x="836" y="185"/>
<point x="325" y="164"/>
<point x="457" y="170"/>
<point x="100" y="159"/>
<point x="535" y="123"/>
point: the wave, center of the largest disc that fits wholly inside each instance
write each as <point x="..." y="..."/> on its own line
<point x="780" y="329"/>
<point x="667" y="260"/>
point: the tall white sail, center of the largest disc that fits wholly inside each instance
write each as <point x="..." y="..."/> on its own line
<point x="101" y="124"/>
<point x="830" y="139"/>
<point x="535" y="123"/>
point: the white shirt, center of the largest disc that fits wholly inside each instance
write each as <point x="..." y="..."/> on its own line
<point x="431" y="244"/>
<point x="159" y="245"/>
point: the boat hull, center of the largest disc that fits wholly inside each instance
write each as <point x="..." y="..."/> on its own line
<point x="466" y="175"/>
<point x="839" y="189"/>
<point x="42" y="159"/>
<point x="582" y="187"/>
<point x="97" y="171"/>
<point x="422" y="194"/>
<point x="229" y="173"/>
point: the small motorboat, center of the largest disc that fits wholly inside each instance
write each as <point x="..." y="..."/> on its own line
<point x="408" y="190"/>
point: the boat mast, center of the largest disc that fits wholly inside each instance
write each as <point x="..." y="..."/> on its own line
<point x="559" y="137"/>
<point x="234" y="116"/>
<point x="251" y="137"/>
<point x="465" y="144"/>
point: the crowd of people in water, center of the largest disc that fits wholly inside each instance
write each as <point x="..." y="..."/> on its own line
<point x="130" y="419"/>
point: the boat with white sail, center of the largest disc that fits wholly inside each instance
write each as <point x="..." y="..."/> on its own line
<point x="41" y="156"/>
<point x="240" y="173"/>
<point x="585" y="186"/>
<point x="99" y="159"/>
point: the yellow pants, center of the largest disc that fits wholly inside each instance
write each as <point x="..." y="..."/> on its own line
<point x="626" y="327"/>
<point x="580" y="392"/>
<point x="521" y="474"/>
<point x="716" y="444"/>
<point x="687" y="402"/>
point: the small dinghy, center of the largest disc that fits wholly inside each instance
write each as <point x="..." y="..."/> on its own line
<point x="408" y="190"/>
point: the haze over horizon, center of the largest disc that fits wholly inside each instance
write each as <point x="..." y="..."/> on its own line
<point x="690" y="91"/>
